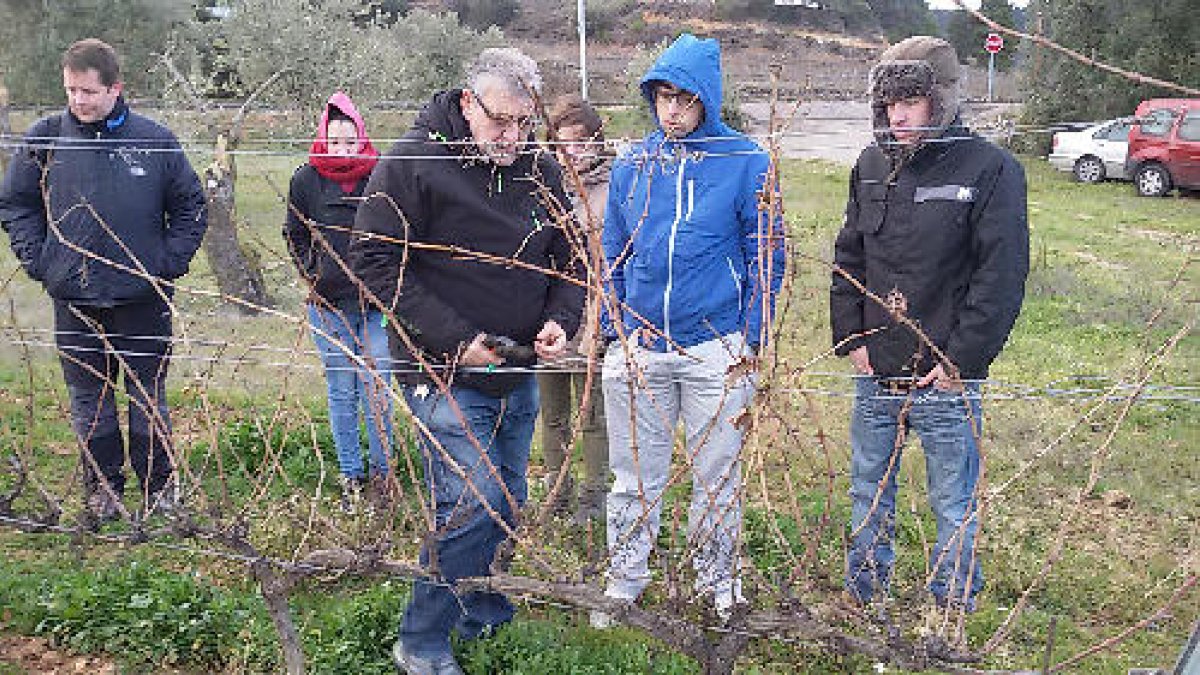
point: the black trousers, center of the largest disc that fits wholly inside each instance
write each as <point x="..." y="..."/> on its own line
<point x="96" y="347"/>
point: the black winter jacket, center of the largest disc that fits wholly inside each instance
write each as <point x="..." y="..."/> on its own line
<point x="432" y="188"/>
<point x="121" y="189"/>
<point x="318" y="203"/>
<point x="946" y="242"/>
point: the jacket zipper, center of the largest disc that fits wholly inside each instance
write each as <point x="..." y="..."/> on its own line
<point x="83" y="264"/>
<point x="737" y="280"/>
<point x="671" y="243"/>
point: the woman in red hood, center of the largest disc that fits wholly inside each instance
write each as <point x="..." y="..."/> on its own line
<point x="349" y="334"/>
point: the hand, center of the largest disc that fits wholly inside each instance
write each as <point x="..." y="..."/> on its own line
<point x="551" y="341"/>
<point x="940" y="380"/>
<point x="861" y="361"/>
<point x="477" y="354"/>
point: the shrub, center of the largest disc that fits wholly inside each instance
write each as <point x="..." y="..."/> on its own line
<point x="482" y="14"/>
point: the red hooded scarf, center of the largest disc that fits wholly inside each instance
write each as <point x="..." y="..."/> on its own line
<point x="345" y="170"/>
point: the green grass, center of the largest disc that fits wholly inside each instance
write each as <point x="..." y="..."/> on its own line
<point x="1103" y="264"/>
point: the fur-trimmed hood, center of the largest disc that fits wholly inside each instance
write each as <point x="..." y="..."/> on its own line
<point x="917" y="66"/>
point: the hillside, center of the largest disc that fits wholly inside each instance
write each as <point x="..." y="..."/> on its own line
<point x="820" y="56"/>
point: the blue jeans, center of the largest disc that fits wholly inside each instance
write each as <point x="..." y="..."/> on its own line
<point x="948" y="424"/>
<point x="461" y="482"/>
<point x="353" y="386"/>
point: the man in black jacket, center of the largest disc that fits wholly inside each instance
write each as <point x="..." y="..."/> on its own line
<point x="102" y="207"/>
<point x="461" y="239"/>
<point x="935" y="229"/>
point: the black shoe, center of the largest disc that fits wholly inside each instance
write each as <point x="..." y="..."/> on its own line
<point x="407" y="662"/>
<point x="379" y="493"/>
<point x="955" y="604"/>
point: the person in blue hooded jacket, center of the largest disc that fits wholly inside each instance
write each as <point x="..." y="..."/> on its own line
<point x="694" y="263"/>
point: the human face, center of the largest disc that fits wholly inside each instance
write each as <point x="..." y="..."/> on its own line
<point x="679" y="111"/>
<point x="341" y="138"/>
<point x="577" y="145"/>
<point x="89" y="99"/>
<point x="500" y="121"/>
<point x="909" y="119"/>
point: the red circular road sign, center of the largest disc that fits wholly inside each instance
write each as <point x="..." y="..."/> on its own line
<point x="993" y="43"/>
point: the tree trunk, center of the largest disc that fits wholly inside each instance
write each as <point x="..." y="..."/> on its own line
<point x="239" y="277"/>
<point x="274" y="591"/>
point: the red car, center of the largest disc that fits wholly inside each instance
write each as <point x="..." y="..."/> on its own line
<point x="1164" y="146"/>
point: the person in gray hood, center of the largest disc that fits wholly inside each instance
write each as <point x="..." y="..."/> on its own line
<point x="936" y="230"/>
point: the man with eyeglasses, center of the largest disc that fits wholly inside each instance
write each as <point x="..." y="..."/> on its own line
<point x="695" y="264"/>
<point x="461" y="239"/>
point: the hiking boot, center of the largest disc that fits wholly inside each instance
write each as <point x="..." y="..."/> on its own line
<point x="407" y="662"/>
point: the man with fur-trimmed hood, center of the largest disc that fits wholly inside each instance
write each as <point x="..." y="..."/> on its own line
<point x="936" y="230"/>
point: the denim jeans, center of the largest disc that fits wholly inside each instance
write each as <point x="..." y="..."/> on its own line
<point x="470" y="491"/>
<point x="948" y="424"/>
<point x="646" y="394"/>
<point x="96" y="346"/>
<point x="353" y="387"/>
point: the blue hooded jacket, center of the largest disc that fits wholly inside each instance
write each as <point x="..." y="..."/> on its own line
<point x="682" y="229"/>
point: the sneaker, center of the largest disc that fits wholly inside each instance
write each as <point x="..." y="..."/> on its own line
<point x="407" y="662"/>
<point x="352" y="494"/>
<point x="164" y="502"/>
<point x="102" y="507"/>
<point x="602" y="620"/>
<point x="726" y="604"/>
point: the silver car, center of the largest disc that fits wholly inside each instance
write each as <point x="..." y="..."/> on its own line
<point x="1094" y="153"/>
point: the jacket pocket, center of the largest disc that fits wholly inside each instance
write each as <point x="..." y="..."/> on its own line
<point x="941" y="205"/>
<point x="872" y="208"/>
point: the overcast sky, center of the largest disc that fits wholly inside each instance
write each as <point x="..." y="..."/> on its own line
<point x="949" y="4"/>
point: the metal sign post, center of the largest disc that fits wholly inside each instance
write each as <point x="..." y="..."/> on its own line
<point x="583" y="78"/>
<point x="993" y="44"/>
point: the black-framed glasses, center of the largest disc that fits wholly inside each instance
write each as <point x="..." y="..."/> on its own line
<point x="523" y="122"/>
<point x="680" y="97"/>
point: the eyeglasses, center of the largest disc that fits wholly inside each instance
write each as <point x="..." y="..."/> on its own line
<point x="523" y="122"/>
<point x="679" y="97"/>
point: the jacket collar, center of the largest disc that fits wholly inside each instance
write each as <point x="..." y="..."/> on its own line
<point x="115" y="119"/>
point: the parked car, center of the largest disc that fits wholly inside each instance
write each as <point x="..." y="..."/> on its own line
<point x="1164" y="146"/>
<point x="1094" y="153"/>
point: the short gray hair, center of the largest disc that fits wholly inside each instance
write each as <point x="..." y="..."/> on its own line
<point x="510" y="66"/>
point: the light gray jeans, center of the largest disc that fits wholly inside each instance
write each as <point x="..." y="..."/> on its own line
<point x="646" y="394"/>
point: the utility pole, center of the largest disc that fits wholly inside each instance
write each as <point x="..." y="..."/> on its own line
<point x="581" y="11"/>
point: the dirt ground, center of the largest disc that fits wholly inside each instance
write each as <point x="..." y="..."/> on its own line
<point x="35" y="656"/>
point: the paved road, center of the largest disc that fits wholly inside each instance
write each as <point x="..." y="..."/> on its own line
<point x="833" y="130"/>
<point x="838" y="130"/>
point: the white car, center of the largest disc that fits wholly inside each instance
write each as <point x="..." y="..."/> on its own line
<point x="1094" y="153"/>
